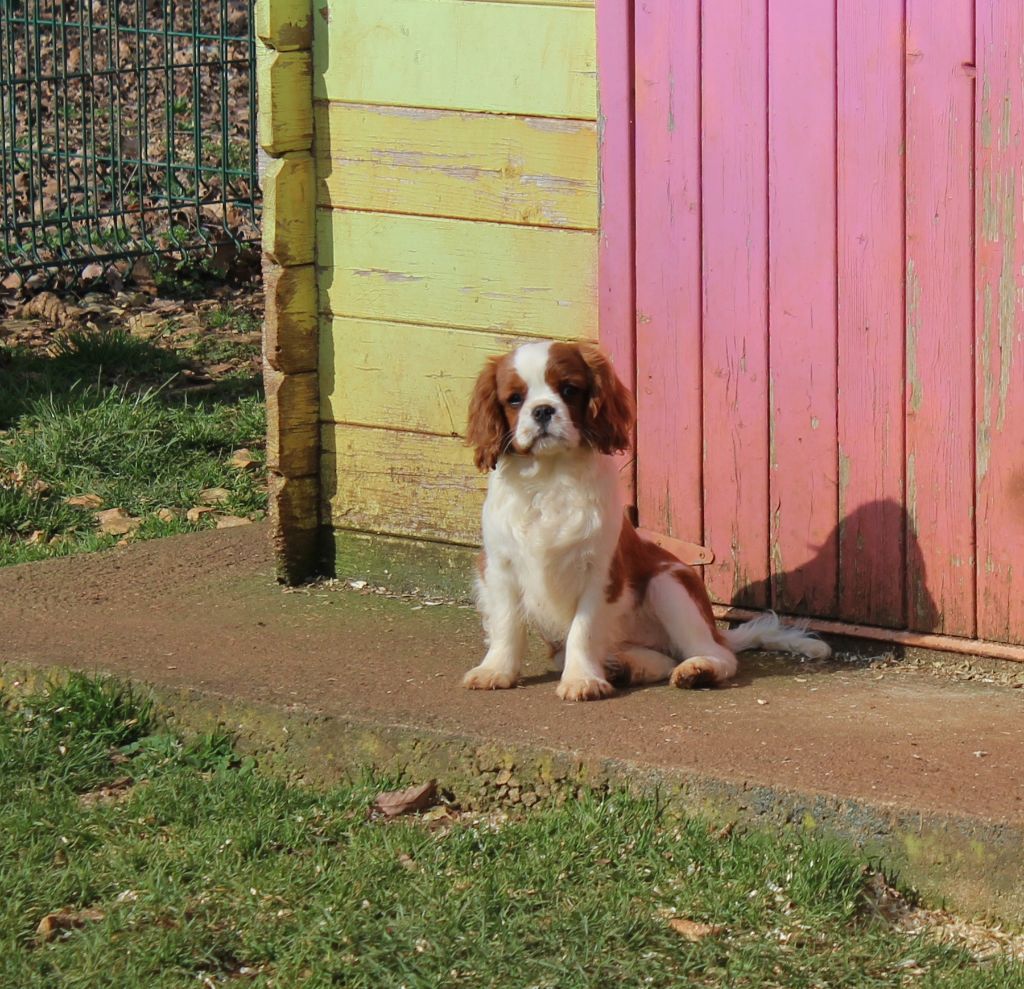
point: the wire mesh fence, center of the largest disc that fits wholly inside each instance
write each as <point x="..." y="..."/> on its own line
<point x="128" y="127"/>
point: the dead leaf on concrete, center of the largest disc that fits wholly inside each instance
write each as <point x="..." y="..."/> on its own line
<point x="231" y="521"/>
<point x="691" y="930"/>
<point x="55" y="924"/>
<point x="196" y="512"/>
<point x="213" y="496"/>
<point x="117" y="522"/>
<point x="407" y="801"/>
<point x="91" y="501"/>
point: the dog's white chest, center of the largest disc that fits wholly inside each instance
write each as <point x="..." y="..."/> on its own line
<point x="552" y="529"/>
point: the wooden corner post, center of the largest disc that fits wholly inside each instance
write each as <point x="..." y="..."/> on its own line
<point x="284" y="32"/>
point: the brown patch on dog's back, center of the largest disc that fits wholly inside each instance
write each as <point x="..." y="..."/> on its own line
<point x="638" y="561"/>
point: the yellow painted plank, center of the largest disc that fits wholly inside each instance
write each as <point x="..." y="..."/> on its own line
<point x="286" y="25"/>
<point x="285" y="105"/>
<point x="544" y="3"/>
<point x="401" y="376"/>
<point x="533" y="281"/>
<point x="406" y="484"/>
<point x="458" y="55"/>
<point x="288" y="213"/>
<point x="289" y="317"/>
<point x="476" y="166"/>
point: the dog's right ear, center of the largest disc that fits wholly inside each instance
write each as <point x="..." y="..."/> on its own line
<point x="488" y="430"/>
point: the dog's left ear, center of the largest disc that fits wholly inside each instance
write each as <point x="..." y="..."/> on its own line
<point x="612" y="411"/>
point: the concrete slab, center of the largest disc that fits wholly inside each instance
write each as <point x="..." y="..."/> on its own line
<point x="921" y="768"/>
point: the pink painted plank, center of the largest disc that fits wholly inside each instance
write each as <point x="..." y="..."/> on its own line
<point x="999" y="300"/>
<point x="668" y="288"/>
<point x="869" y="166"/>
<point x="616" y="285"/>
<point x="735" y="251"/>
<point x="803" y="480"/>
<point x="940" y="316"/>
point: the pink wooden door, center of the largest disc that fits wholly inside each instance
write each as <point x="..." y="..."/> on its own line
<point x="824" y="206"/>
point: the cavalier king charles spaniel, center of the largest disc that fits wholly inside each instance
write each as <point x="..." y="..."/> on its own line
<point x="561" y="555"/>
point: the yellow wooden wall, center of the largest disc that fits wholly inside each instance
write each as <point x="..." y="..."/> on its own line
<point x="456" y="187"/>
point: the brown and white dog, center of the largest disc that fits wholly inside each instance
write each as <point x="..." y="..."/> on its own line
<point x="559" y="552"/>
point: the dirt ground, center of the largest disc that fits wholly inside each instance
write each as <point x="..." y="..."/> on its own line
<point x="203" y="611"/>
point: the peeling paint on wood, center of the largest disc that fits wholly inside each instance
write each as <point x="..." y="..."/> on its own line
<point x="870" y="309"/>
<point x="511" y="58"/>
<point x="401" y="376"/>
<point x="464" y="165"/>
<point x="735" y="291"/>
<point x="288" y="209"/>
<point x="999" y="277"/>
<point x="285" y="108"/>
<point x="403" y="484"/>
<point x="532" y="281"/>
<point x="668" y="268"/>
<point x="940" y="310"/>
<point x="290" y="320"/>
<point x="802" y="301"/>
<point x="285" y="25"/>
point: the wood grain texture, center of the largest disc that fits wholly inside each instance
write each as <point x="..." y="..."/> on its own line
<point x="999" y="301"/>
<point x="290" y="317"/>
<point x="288" y="213"/>
<point x="292" y="422"/>
<point x="466" y="165"/>
<point x="735" y="251"/>
<point x="511" y="58"/>
<point x="285" y="25"/>
<point x="802" y="307"/>
<point x="285" y="104"/>
<point x="294" y="525"/>
<point x="870" y="292"/>
<point x="668" y="268"/>
<point x="404" y="484"/>
<point x="616" y="260"/>
<point x="940" y="316"/>
<point x="400" y="376"/>
<point x="533" y="281"/>
<point x="544" y="3"/>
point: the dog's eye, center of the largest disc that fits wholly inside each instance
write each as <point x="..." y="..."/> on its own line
<point x="569" y="392"/>
<point x="515" y="400"/>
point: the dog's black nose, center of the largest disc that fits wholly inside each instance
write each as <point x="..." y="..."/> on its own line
<point x="543" y="413"/>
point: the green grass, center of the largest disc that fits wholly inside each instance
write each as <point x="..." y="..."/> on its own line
<point x="207" y="869"/>
<point x="102" y="416"/>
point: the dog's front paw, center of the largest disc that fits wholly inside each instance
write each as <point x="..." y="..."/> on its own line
<point x="585" y="689"/>
<point x="700" y="671"/>
<point x="487" y="678"/>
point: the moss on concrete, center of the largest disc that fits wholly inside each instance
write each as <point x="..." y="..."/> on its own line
<point x="405" y="566"/>
<point x="971" y="865"/>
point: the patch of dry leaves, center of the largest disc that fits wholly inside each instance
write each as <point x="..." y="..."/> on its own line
<point x="984" y="942"/>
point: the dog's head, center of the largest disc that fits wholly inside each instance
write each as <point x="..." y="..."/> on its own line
<point x="543" y="399"/>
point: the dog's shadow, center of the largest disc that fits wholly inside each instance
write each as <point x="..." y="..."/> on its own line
<point x="869" y="590"/>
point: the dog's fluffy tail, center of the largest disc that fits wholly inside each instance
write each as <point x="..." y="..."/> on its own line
<point x="768" y="632"/>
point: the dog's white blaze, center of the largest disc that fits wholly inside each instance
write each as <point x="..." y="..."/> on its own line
<point x="530" y="362"/>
